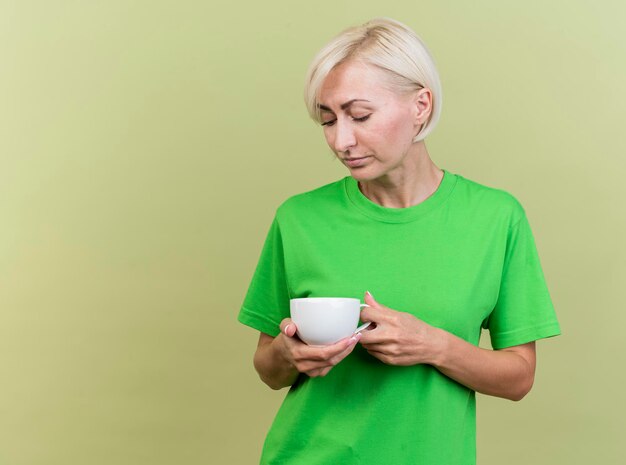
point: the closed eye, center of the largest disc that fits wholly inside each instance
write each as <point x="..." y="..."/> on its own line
<point x="361" y="119"/>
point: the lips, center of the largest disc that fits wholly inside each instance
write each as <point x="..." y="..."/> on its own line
<point x="355" y="162"/>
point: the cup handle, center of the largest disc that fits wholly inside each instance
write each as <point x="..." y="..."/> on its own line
<point x="364" y="325"/>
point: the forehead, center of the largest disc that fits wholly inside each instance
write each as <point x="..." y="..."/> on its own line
<point x="353" y="80"/>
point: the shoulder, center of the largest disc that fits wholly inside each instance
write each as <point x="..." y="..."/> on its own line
<point x="313" y="200"/>
<point x="478" y="197"/>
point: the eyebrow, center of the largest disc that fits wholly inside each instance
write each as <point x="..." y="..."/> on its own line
<point x="343" y="105"/>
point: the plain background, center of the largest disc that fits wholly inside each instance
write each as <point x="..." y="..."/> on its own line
<point x="144" y="147"/>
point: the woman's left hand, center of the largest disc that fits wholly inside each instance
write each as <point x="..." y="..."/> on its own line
<point x="398" y="338"/>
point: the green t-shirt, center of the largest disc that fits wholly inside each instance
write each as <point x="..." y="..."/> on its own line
<point x="462" y="260"/>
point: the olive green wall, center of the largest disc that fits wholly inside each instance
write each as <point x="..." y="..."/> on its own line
<point x="144" y="147"/>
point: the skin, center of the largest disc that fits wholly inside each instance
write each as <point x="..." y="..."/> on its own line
<point x="279" y="360"/>
<point x="400" y="338"/>
<point x="396" y="173"/>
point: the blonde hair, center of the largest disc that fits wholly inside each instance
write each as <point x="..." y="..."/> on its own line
<point x="389" y="45"/>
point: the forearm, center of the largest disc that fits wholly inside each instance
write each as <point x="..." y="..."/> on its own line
<point x="497" y="373"/>
<point x="273" y="368"/>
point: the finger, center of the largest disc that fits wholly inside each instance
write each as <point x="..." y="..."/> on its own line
<point x="339" y="357"/>
<point x="385" y="349"/>
<point x="375" y="312"/>
<point x="321" y="368"/>
<point x="346" y="344"/>
<point x="370" y="314"/>
<point x="312" y="369"/>
<point x="307" y="359"/>
<point x="373" y="303"/>
<point x="288" y="327"/>
<point x="318" y="372"/>
<point x="325" y="371"/>
<point x="379" y="314"/>
<point x="326" y="353"/>
<point x="373" y="336"/>
<point x="380" y="356"/>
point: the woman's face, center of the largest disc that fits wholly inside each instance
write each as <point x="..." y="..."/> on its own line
<point x="369" y="127"/>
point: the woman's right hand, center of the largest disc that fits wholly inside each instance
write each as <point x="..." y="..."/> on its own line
<point x="279" y="360"/>
<point x="311" y="360"/>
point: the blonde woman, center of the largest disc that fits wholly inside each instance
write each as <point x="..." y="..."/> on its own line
<point x="443" y="256"/>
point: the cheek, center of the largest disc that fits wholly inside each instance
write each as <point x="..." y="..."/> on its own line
<point x="395" y="132"/>
<point x="402" y="123"/>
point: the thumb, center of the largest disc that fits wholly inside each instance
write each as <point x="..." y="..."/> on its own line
<point x="288" y="327"/>
<point x="370" y="313"/>
<point x="369" y="300"/>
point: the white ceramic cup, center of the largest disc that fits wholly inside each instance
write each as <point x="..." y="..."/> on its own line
<point x="326" y="320"/>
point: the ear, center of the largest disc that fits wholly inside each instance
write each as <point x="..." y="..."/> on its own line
<point x="422" y="105"/>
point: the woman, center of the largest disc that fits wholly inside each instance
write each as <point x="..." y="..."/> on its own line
<point x="444" y="256"/>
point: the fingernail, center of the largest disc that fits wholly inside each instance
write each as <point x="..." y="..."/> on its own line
<point x="370" y="294"/>
<point x="287" y="327"/>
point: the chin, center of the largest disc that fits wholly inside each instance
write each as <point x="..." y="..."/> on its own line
<point x="356" y="174"/>
<point x="362" y="174"/>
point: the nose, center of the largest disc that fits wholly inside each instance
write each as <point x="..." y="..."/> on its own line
<point x="344" y="136"/>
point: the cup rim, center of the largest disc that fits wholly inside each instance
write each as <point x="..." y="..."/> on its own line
<point x="308" y="299"/>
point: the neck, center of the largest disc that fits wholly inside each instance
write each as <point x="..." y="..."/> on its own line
<point x="408" y="184"/>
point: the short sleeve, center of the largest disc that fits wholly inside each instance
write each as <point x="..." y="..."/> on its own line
<point x="266" y="303"/>
<point x="524" y="310"/>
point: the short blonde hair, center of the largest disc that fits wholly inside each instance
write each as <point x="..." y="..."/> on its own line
<point x="389" y="45"/>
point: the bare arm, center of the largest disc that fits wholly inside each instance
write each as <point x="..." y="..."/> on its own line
<point x="273" y="369"/>
<point x="400" y="338"/>
<point x="507" y="373"/>
<point x="279" y="360"/>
